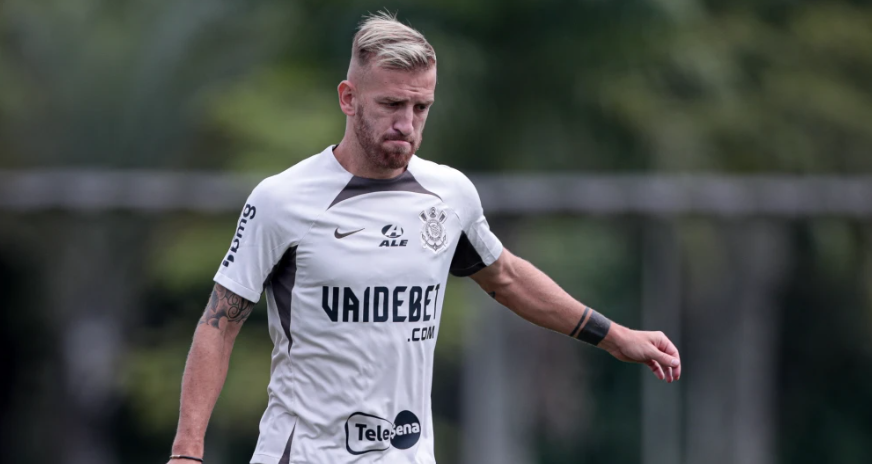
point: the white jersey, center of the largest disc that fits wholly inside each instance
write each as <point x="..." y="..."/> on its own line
<point x="354" y="271"/>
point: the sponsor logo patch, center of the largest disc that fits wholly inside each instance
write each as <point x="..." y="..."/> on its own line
<point x="367" y="433"/>
<point x="392" y="231"/>
<point x="248" y="214"/>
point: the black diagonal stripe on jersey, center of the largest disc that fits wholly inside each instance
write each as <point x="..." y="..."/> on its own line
<point x="281" y="280"/>
<point x="286" y="456"/>
<point x="357" y="186"/>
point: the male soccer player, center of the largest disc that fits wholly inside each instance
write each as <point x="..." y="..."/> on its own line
<point x="353" y="247"/>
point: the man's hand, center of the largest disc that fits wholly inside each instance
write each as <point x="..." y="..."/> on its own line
<point x="650" y="348"/>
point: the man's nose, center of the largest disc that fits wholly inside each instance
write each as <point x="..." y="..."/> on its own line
<point x="403" y="122"/>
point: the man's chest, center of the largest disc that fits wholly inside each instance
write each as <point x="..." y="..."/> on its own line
<point x="385" y="238"/>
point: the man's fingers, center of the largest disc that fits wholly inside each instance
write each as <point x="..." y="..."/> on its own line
<point x="665" y="360"/>
<point x="656" y="369"/>
<point x="668" y="354"/>
<point x="665" y="345"/>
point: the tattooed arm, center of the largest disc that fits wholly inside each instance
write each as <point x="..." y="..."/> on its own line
<point x="206" y="367"/>
<point x="225" y="304"/>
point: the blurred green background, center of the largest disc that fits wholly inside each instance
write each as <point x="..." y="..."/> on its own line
<point x="772" y="314"/>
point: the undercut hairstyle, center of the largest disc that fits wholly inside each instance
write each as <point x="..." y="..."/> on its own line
<point x="384" y="41"/>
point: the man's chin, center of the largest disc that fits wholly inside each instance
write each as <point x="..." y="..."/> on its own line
<point x="395" y="160"/>
<point x="396" y="153"/>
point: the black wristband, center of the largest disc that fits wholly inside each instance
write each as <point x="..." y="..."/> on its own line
<point x="182" y="456"/>
<point x="595" y="330"/>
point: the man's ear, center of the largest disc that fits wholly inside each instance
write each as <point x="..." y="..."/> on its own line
<point x="347" y="95"/>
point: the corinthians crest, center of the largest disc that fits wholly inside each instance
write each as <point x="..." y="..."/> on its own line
<point x="433" y="234"/>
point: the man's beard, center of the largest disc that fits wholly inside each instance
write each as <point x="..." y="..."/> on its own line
<point x="396" y="157"/>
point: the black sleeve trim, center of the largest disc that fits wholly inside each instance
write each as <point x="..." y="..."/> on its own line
<point x="466" y="260"/>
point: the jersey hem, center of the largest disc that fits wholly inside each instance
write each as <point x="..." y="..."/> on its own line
<point x="264" y="459"/>
<point x="237" y="288"/>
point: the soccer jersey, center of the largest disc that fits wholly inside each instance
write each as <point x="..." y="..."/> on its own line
<point x="354" y="272"/>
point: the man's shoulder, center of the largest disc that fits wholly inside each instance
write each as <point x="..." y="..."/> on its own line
<point x="445" y="180"/>
<point x="310" y="178"/>
<point x="440" y="175"/>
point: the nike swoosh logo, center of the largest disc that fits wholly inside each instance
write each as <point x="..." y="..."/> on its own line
<point x="338" y="234"/>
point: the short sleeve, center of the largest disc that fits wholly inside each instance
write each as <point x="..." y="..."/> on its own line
<point x="477" y="246"/>
<point x="257" y="245"/>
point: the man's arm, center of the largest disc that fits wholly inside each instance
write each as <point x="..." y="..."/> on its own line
<point x="206" y="368"/>
<point x="527" y="291"/>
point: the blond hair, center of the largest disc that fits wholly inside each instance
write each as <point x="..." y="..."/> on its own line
<point x="384" y="41"/>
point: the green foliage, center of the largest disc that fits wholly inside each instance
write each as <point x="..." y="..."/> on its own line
<point x="190" y="250"/>
<point x="277" y="118"/>
<point x="620" y="86"/>
<point x="153" y="376"/>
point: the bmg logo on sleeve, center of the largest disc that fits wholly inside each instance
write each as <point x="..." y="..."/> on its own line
<point x="248" y="214"/>
<point x="366" y="433"/>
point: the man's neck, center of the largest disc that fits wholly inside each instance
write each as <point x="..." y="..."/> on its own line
<point x="350" y="155"/>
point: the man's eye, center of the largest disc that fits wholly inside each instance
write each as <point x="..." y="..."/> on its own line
<point x="393" y="104"/>
<point x="421" y="107"/>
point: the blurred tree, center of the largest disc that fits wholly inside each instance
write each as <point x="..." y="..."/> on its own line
<point x="766" y="86"/>
<point x="113" y="84"/>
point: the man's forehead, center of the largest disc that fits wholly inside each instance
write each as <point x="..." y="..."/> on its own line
<point x="418" y="82"/>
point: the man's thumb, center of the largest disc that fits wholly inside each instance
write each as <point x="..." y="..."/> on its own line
<point x="665" y="360"/>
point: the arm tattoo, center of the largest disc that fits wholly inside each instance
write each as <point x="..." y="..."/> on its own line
<point x="593" y="329"/>
<point x="226" y="304"/>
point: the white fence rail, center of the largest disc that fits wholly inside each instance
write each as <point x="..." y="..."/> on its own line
<point x="651" y="195"/>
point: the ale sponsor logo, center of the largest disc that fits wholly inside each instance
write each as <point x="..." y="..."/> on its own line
<point x="392" y="232"/>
